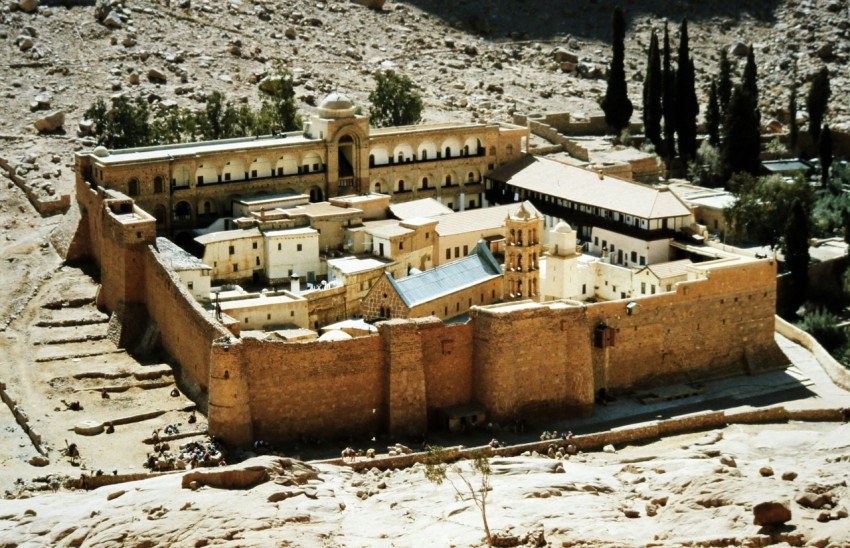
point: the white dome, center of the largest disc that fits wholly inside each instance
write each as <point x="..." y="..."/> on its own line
<point x="335" y="335"/>
<point x="336" y="105"/>
<point x="101" y="152"/>
<point x="563" y="228"/>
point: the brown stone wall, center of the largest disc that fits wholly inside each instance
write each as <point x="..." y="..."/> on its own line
<point x="327" y="306"/>
<point x="706" y="329"/>
<point x="447" y="356"/>
<point x="316" y="389"/>
<point x="406" y="394"/>
<point x="186" y="330"/>
<point x="532" y="362"/>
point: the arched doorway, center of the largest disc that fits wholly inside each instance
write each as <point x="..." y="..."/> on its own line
<point x="316" y="194"/>
<point x="346" y="161"/>
<point x="182" y="214"/>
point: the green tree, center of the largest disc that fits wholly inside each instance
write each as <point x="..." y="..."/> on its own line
<point x="763" y="206"/>
<point x="395" y="101"/>
<point x="167" y="126"/>
<point x="438" y="470"/>
<point x="793" y="129"/>
<point x="219" y="119"/>
<point x="822" y="324"/>
<point x="825" y="153"/>
<point x="669" y="98"/>
<point x="706" y="169"/>
<point x="616" y="104"/>
<point x="796" y="250"/>
<point x="749" y="80"/>
<point x="724" y="82"/>
<point x="278" y="113"/>
<point x="127" y="123"/>
<point x="712" y="115"/>
<point x="652" y="93"/>
<point x="687" y="107"/>
<point x="817" y="101"/>
<point x="741" y="142"/>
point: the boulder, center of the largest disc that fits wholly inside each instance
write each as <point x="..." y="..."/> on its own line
<point x="771" y="513"/>
<point x="29" y="6"/>
<point x="113" y="20"/>
<point x="562" y="55"/>
<point x="25" y="43"/>
<point x="39" y="460"/>
<point x="766" y="471"/>
<point x="814" y="500"/>
<point x="50" y="122"/>
<point x="739" y="49"/>
<point x="155" y="75"/>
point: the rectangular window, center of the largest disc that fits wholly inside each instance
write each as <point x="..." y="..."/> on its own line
<point x="642" y="260"/>
<point x="232" y="250"/>
<point x="258" y="261"/>
<point x="465" y="250"/>
<point x="583" y="289"/>
<point x="643" y="288"/>
<point x="279" y="247"/>
<point x="299" y="247"/>
<point x="254" y="173"/>
<point x="254" y="245"/>
<point x="400" y="246"/>
<point x="427" y="235"/>
<point x="596" y="241"/>
<point x="652" y="289"/>
<point x="235" y="267"/>
<point x="227" y="176"/>
<point x="634" y="256"/>
<point x="448" y="254"/>
<point x="200" y="179"/>
<point x="191" y="285"/>
<point x="315" y="167"/>
<point x="457" y="252"/>
<point x="669" y="287"/>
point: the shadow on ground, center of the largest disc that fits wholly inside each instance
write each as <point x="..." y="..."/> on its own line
<point x="542" y="19"/>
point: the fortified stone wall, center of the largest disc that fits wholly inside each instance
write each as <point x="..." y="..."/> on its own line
<point x="315" y="389"/>
<point x="186" y="330"/>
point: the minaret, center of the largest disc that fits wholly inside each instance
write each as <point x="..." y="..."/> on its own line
<point x="522" y="251"/>
<point x="562" y="280"/>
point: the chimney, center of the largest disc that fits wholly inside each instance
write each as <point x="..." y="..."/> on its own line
<point x="295" y="284"/>
<point x="600" y="174"/>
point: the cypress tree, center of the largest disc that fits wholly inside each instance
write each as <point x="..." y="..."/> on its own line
<point x="724" y="83"/>
<point x="712" y="115"/>
<point x="796" y="250"/>
<point x="687" y="106"/>
<point x="817" y="101"/>
<point x="616" y="104"/>
<point x="652" y="93"/>
<point x="749" y="80"/>
<point x="793" y="129"/>
<point x="741" y="139"/>
<point x="825" y="153"/>
<point x="668" y="98"/>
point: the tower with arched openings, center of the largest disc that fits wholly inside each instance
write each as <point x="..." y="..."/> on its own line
<point x="523" y="230"/>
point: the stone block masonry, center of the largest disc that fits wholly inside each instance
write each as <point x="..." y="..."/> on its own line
<point x="518" y="360"/>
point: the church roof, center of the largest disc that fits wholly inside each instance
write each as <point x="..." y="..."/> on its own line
<point x="477" y="220"/>
<point x="479" y="266"/>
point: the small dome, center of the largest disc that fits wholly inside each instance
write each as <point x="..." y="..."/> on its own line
<point x="336" y="105"/>
<point x="563" y="228"/>
<point x="101" y="152"/>
<point x="335" y="335"/>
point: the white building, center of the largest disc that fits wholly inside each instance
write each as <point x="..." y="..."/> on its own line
<point x="292" y="251"/>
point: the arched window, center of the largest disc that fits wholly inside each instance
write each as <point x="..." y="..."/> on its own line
<point x="400" y="185"/>
<point x="448" y="152"/>
<point x="470" y="177"/>
<point x="157" y="184"/>
<point x="371" y="160"/>
<point x="377" y="187"/>
<point x="424" y="153"/>
<point x="401" y="157"/>
<point x="424" y="182"/>
<point x="448" y="180"/>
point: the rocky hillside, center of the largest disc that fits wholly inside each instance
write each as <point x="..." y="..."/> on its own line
<point x="482" y="60"/>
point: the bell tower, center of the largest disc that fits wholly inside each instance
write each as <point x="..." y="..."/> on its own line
<point x="522" y="252"/>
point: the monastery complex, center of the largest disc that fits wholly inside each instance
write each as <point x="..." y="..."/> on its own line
<point x="347" y="280"/>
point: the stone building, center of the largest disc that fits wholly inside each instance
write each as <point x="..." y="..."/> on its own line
<point x="446" y="291"/>
<point x="632" y="222"/>
<point x="185" y="186"/>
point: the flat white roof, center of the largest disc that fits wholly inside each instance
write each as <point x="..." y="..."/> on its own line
<point x="303" y="231"/>
<point x="207" y="147"/>
<point x="226" y="235"/>
<point x="257" y="301"/>
<point x="353" y="265"/>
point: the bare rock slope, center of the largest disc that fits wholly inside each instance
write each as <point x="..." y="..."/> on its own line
<point x="696" y="489"/>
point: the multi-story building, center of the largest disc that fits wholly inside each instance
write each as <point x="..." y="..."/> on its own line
<point x="185" y="186"/>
